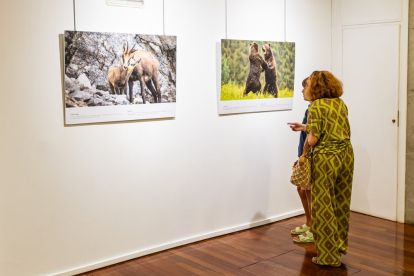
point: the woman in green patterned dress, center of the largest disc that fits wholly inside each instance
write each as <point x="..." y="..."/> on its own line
<point x="332" y="167"/>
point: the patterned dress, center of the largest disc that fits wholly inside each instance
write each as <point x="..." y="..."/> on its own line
<point x="332" y="173"/>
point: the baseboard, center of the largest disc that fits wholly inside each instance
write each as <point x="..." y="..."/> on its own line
<point x="176" y="244"/>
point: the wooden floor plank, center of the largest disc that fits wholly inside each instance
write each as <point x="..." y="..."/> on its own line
<point x="212" y="262"/>
<point x="254" y="245"/>
<point x="109" y="269"/>
<point x="267" y="268"/>
<point x="195" y="266"/>
<point x="138" y="270"/>
<point x="304" y="259"/>
<point x="228" y="254"/>
<point x="163" y="266"/>
<point x="173" y="264"/>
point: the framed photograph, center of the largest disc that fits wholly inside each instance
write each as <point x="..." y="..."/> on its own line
<point x="256" y="76"/>
<point x="118" y="77"/>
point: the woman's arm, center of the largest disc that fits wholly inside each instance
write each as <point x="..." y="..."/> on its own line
<point x="297" y="126"/>
<point x="312" y="140"/>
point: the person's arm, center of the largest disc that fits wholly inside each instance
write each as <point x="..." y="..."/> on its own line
<point x="312" y="139"/>
<point x="297" y="126"/>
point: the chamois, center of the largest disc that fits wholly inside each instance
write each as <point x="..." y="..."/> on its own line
<point x="118" y="80"/>
<point x="118" y="76"/>
<point x="146" y="72"/>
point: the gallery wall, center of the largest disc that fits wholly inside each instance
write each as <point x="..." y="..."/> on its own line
<point x="82" y="197"/>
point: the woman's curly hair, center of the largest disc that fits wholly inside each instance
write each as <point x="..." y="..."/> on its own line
<point x="305" y="82"/>
<point x="323" y="84"/>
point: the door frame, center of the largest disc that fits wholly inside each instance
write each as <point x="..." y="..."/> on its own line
<point x="337" y="50"/>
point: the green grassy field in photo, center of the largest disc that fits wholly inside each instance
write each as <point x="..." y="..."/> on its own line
<point x="235" y="69"/>
<point x="232" y="92"/>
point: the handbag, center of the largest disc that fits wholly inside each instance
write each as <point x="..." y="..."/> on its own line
<point x="301" y="171"/>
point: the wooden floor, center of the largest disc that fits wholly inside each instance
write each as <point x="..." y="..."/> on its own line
<point x="376" y="247"/>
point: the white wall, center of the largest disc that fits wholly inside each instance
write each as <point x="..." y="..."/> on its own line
<point x="77" y="198"/>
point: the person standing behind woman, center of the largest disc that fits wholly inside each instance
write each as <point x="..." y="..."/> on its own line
<point x="332" y="167"/>
<point x="304" y="231"/>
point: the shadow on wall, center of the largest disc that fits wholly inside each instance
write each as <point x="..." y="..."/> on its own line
<point x="259" y="219"/>
<point x="62" y="70"/>
<point x="218" y="73"/>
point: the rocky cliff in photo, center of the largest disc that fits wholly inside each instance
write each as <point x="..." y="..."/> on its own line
<point x="88" y="57"/>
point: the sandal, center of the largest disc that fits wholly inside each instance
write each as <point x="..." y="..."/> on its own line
<point x="305" y="239"/>
<point x="315" y="261"/>
<point x="298" y="230"/>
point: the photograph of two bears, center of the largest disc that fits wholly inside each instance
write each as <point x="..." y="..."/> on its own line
<point x="244" y="61"/>
<point x="109" y="69"/>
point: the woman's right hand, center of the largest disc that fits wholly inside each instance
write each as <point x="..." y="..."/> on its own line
<point x="297" y="126"/>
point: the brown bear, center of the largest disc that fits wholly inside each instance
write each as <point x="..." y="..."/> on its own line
<point x="270" y="85"/>
<point x="257" y="66"/>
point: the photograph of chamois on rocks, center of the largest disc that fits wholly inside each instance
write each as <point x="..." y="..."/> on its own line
<point x="256" y="69"/>
<point x="108" y="69"/>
